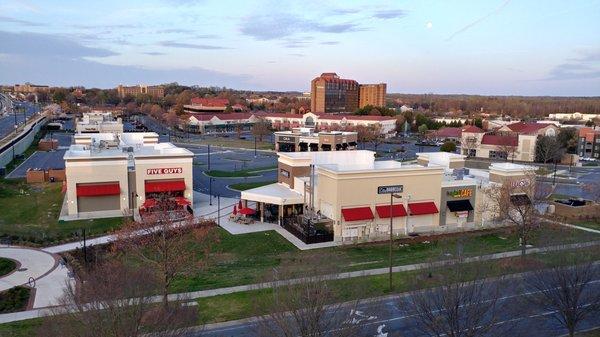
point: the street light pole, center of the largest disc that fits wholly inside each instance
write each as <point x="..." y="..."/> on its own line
<point x="254" y="146"/>
<point x="391" y="236"/>
<point x="210" y="191"/>
<point x="208" y="157"/>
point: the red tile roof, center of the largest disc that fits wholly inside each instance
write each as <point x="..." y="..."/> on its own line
<point x="472" y="129"/>
<point x="526" y="128"/>
<point x="500" y="140"/>
<point x="449" y="132"/>
<point x="589" y="134"/>
<point x="223" y="117"/>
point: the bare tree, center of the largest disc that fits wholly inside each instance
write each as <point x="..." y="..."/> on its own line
<point x="115" y="300"/>
<point x="306" y="302"/>
<point x="163" y="241"/>
<point x="548" y="149"/>
<point x="567" y="290"/>
<point x="365" y="134"/>
<point x="460" y="303"/>
<point x="517" y="202"/>
<point x="260" y="129"/>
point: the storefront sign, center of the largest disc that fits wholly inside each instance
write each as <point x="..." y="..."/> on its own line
<point x="165" y="170"/>
<point x="286" y="139"/>
<point x="462" y="193"/>
<point x="390" y="189"/>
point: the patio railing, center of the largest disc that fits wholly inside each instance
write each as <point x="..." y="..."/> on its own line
<point x="307" y="230"/>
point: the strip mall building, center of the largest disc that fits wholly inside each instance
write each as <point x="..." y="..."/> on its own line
<point x="351" y="198"/>
<point x="115" y="174"/>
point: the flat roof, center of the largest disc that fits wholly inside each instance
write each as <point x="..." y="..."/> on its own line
<point x="109" y="145"/>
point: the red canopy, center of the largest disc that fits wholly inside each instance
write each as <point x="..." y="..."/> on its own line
<point x="182" y="201"/>
<point x="164" y="185"/>
<point x="247" y="211"/>
<point x="357" y="213"/>
<point x="93" y="190"/>
<point x="421" y="208"/>
<point x="384" y="211"/>
<point x="234" y="210"/>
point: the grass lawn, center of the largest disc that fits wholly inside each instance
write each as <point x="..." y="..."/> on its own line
<point x="247" y="186"/>
<point x="250" y="258"/>
<point x="14" y="299"/>
<point x="24" y="328"/>
<point x="30" y="214"/>
<point x="593" y="224"/>
<point x="6" y="266"/>
<point x="239" y="173"/>
<point x="247" y="304"/>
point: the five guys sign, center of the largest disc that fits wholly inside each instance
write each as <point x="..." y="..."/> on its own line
<point x="166" y="170"/>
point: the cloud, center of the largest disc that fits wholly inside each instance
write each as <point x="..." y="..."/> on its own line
<point x="271" y="27"/>
<point x="297" y="55"/>
<point x="585" y="66"/>
<point x="26" y="43"/>
<point x="63" y="62"/>
<point x="344" y="11"/>
<point x="184" y="45"/>
<point x="19" y="21"/>
<point x="481" y="19"/>
<point x="390" y="14"/>
<point x="153" y="53"/>
<point x="330" y="43"/>
<point x="107" y="26"/>
<point x="175" y="31"/>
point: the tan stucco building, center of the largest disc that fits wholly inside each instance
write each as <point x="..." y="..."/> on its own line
<point x="111" y="175"/>
<point x="305" y="140"/>
<point x="98" y="122"/>
<point x="348" y="201"/>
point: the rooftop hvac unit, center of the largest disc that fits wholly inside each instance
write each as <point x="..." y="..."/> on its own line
<point x="127" y="148"/>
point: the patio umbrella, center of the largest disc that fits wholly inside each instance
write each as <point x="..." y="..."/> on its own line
<point x="234" y="210"/>
<point x="240" y="204"/>
<point x="149" y="203"/>
<point x="182" y="201"/>
<point x="247" y="211"/>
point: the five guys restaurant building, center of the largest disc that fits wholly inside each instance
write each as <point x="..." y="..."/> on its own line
<point x="111" y="175"/>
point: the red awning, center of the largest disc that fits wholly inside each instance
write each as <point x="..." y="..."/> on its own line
<point x="164" y="185"/>
<point x="421" y="208"/>
<point x="357" y="213"/>
<point x="94" y="190"/>
<point x="384" y="211"/>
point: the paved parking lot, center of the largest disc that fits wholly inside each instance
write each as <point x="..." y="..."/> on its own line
<point x="230" y="160"/>
<point x="39" y="160"/>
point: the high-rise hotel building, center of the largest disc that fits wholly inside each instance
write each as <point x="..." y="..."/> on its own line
<point x="330" y="93"/>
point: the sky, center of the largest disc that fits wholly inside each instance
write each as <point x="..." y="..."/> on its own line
<point x="488" y="47"/>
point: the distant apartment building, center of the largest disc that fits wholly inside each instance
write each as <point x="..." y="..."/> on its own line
<point x="330" y="93"/>
<point x="201" y="105"/>
<point x="29" y="88"/>
<point x="372" y="94"/>
<point x="154" y="90"/>
<point x="576" y="116"/>
<point x="516" y="141"/>
<point x="589" y="143"/>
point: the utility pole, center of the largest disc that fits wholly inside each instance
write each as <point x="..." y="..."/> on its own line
<point x="208" y="157"/>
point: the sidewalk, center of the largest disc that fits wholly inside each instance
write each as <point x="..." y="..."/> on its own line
<point x="49" y="276"/>
<point x="23" y="315"/>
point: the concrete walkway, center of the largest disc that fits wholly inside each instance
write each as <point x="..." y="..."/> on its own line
<point x="23" y="315"/>
<point x="591" y="230"/>
<point x="49" y="277"/>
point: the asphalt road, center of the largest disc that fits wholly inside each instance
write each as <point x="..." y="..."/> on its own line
<point x="389" y="317"/>
<point x="7" y="122"/>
